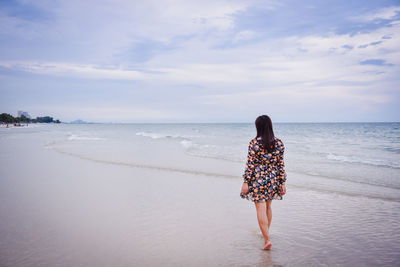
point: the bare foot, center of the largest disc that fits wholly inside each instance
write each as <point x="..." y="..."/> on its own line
<point x="268" y="245"/>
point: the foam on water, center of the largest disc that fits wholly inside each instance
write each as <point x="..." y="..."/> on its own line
<point x="155" y="135"/>
<point x="308" y="164"/>
<point x="363" y="154"/>
<point x="74" y="137"/>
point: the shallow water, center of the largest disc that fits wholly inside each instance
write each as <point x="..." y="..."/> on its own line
<point x="167" y="195"/>
<point x="349" y="158"/>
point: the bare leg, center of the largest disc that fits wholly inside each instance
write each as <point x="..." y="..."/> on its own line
<point x="263" y="222"/>
<point x="269" y="213"/>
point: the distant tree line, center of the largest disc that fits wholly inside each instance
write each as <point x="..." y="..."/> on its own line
<point x="7" y="118"/>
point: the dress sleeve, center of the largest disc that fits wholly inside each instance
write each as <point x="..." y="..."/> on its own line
<point x="251" y="158"/>
<point x="281" y="164"/>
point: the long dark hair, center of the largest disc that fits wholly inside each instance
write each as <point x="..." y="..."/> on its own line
<point x="266" y="132"/>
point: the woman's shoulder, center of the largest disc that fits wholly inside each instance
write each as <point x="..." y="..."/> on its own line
<point x="278" y="141"/>
<point x="254" y="140"/>
<point x="279" y="144"/>
<point x="258" y="139"/>
<point x="255" y="143"/>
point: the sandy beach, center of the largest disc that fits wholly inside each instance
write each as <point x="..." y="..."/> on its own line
<point x="61" y="210"/>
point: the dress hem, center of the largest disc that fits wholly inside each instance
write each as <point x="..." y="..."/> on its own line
<point x="249" y="198"/>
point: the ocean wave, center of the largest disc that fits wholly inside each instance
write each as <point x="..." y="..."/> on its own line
<point x="185" y="140"/>
<point x="196" y="149"/>
<point x="354" y="159"/>
<point x="74" y="137"/>
<point x="162" y="135"/>
<point x="392" y="149"/>
<point x="187" y="144"/>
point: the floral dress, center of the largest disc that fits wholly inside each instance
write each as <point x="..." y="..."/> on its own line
<point x="265" y="172"/>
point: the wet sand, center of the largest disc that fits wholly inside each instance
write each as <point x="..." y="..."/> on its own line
<point x="59" y="210"/>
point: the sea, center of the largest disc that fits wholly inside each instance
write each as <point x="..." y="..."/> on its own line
<point x="327" y="162"/>
<point x="345" y="158"/>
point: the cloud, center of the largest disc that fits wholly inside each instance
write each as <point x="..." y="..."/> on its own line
<point x="275" y="62"/>
<point x="347" y="46"/>
<point x="386" y="13"/>
<point x="373" y="43"/>
<point x="377" y="62"/>
<point x="243" y="36"/>
<point x="105" y="31"/>
<point x="74" y="70"/>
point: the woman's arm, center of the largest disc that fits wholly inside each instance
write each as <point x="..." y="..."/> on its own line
<point x="281" y="165"/>
<point x="251" y="158"/>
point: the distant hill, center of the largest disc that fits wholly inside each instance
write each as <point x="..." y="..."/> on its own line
<point x="80" y="122"/>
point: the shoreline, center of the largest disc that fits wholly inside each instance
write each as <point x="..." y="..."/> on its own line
<point x="313" y="182"/>
<point x="12" y="125"/>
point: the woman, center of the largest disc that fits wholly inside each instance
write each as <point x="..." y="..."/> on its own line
<point x="264" y="176"/>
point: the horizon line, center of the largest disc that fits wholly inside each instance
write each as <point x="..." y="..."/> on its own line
<point x="89" y="122"/>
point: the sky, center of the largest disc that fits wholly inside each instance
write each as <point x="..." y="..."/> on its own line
<point x="129" y="61"/>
